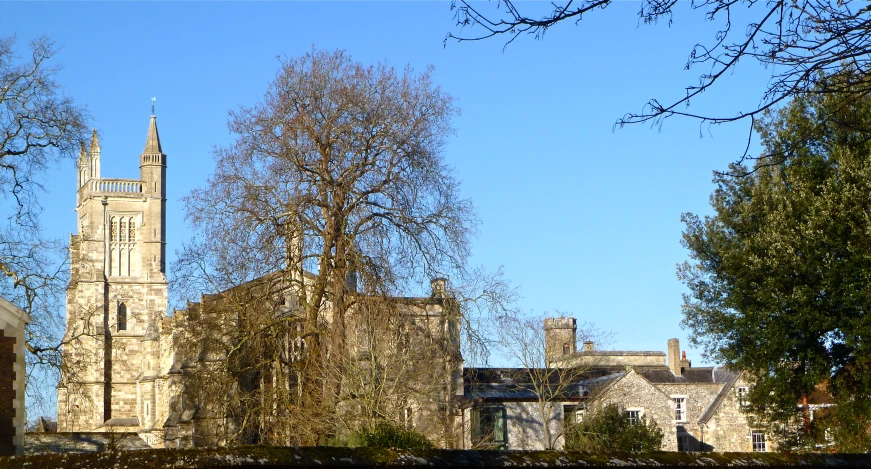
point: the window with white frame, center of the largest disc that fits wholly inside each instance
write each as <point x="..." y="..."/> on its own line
<point x="758" y="439"/>
<point x="409" y="418"/>
<point x="680" y="408"/>
<point x="633" y="415"/>
<point x="742" y="392"/>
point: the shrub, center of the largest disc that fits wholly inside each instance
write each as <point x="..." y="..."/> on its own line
<point x="386" y="435"/>
<point x="610" y="430"/>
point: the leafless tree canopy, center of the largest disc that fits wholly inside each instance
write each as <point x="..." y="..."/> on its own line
<point x="39" y="126"/>
<point x="523" y="342"/>
<point x="337" y="191"/>
<point x="800" y="40"/>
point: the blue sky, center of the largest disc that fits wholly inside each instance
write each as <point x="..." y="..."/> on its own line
<point x="584" y="218"/>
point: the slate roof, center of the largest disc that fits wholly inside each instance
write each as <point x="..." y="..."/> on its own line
<point x="730" y="377"/>
<point x="515" y="383"/>
<point x="701" y="375"/>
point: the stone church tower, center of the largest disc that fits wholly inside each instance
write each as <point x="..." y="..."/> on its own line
<point x="116" y="298"/>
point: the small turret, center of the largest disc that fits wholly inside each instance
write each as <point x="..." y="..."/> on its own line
<point x="83" y="165"/>
<point x="152" y="162"/>
<point x="152" y="171"/>
<point x="560" y="336"/>
<point x="94" y="151"/>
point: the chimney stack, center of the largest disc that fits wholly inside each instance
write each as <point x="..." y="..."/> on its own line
<point x="674" y="356"/>
<point x="684" y="363"/>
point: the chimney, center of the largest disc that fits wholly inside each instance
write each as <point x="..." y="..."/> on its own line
<point x="684" y="363"/>
<point x="673" y="356"/>
<point x="589" y="345"/>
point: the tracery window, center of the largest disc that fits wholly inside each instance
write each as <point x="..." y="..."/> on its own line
<point x="123" y="260"/>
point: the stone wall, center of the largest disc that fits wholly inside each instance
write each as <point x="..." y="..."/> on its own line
<point x="633" y="392"/>
<point x="82" y="442"/>
<point x="12" y="351"/>
<point x="525" y="428"/>
<point x="729" y="428"/>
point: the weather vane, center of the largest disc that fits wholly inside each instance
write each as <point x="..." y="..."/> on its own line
<point x="152" y="105"/>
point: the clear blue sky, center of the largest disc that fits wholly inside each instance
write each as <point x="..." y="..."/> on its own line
<point x="585" y="219"/>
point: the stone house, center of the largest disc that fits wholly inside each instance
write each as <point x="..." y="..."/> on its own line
<point x="697" y="409"/>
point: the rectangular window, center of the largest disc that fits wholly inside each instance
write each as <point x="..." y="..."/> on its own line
<point x="409" y="418"/>
<point x="633" y="415"/>
<point x="573" y="415"/>
<point x="489" y="428"/>
<point x="758" y="439"/>
<point x="680" y="408"/>
<point x="742" y="392"/>
<point x="683" y="443"/>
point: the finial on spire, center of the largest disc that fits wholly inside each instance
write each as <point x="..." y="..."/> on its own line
<point x="153" y="99"/>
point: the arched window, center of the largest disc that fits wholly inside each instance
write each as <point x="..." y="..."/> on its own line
<point x="566" y="349"/>
<point x="122" y="317"/>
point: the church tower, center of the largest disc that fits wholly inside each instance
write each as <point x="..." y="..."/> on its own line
<point x="117" y="295"/>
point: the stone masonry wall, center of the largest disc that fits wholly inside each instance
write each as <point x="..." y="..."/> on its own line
<point x="634" y="392"/>
<point x="7" y="394"/>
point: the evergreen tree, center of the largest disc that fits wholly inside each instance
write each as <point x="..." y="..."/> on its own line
<point x="780" y="274"/>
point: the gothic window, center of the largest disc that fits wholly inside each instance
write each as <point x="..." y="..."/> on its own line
<point x="566" y="349"/>
<point x="122" y="317"/>
<point x="122" y="235"/>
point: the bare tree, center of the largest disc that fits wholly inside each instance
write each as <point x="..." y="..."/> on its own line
<point x="39" y="127"/>
<point x="800" y="41"/>
<point x="550" y="382"/>
<point x="337" y="192"/>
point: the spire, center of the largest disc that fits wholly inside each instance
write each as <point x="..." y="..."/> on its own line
<point x="95" y="143"/>
<point x="152" y="143"/>
<point x="83" y="154"/>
